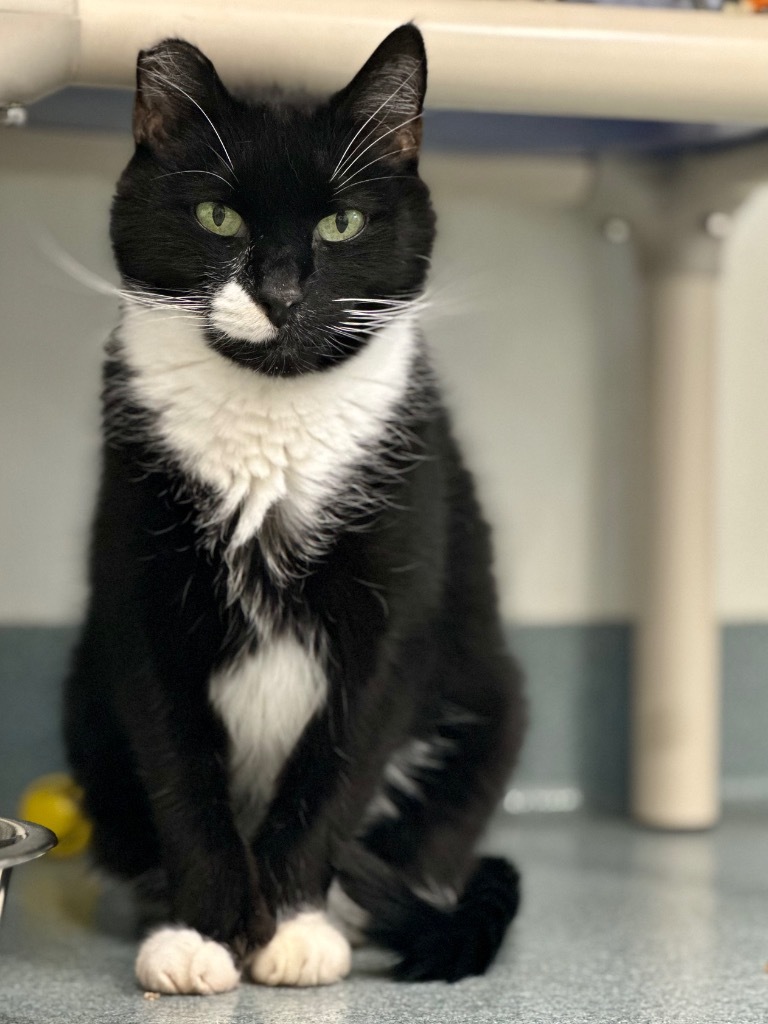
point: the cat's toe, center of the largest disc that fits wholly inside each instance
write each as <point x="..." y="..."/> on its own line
<point x="180" y="961"/>
<point x="306" y="950"/>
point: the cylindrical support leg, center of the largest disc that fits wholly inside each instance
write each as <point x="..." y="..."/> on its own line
<point x="676" y="703"/>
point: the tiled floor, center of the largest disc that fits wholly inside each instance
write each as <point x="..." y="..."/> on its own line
<point x="619" y="925"/>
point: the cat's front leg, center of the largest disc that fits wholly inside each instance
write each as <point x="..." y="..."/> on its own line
<point x="219" y="917"/>
<point x="217" y="892"/>
<point x="307" y="948"/>
<point x="316" y="810"/>
<point x="218" y="914"/>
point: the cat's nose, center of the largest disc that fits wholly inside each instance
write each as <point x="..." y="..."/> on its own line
<point x="277" y="298"/>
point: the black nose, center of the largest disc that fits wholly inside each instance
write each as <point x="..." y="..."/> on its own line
<point x="277" y="298"/>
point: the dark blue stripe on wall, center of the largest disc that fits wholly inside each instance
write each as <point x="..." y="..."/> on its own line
<point x="578" y="683"/>
<point x="444" y="130"/>
<point x="33" y="661"/>
<point x="107" y="110"/>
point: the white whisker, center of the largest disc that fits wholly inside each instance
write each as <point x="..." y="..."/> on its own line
<point x="173" y="85"/>
<point x="72" y="267"/>
<point x="378" y="123"/>
<point x="213" y="174"/>
<point x="394" y="152"/>
<point x="382" y="302"/>
<point x="351" y="163"/>
<point x="372" y="116"/>
<point x="354" y="184"/>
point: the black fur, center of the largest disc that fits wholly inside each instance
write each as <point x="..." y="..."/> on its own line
<point x="402" y="589"/>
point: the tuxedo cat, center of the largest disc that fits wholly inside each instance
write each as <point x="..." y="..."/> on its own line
<point x="291" y="709"/>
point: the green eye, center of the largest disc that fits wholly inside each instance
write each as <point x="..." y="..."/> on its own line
<point x="219" y="219"/>
<point x="340" y="227"/>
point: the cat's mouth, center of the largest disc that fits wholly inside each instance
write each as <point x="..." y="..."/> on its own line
<point x="298" y="341"/>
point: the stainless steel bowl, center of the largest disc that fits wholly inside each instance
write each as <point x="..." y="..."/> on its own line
<point x="20" y="841"/>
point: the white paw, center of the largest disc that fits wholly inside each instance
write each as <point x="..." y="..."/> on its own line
<point x="306" y="950"/>
<point x="180" y="961"/>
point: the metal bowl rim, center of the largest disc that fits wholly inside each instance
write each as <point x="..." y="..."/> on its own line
<point x="34" y="842"/>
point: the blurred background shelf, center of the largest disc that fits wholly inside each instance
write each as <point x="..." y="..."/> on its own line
<point x="513" y="56"/>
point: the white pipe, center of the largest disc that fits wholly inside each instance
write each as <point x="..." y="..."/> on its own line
<point x="676" y="697"/>
<point x="38" y="52"/>
<point x="676" y="711"/>
<point x="524" y="56"/>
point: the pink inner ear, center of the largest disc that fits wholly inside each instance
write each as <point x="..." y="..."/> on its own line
<point x="408" y="139"/>
<point x="147" y="122"/>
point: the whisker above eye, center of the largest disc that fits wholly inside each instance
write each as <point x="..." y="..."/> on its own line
<point x="354" y="183"/>
<point x="359" y="152"/>
<point x="378" y="122"/>
<point x="167" y="81"/>
<point x="170" y="174"/>
<point x="376" y="160"/>
<point x="365" y="124"/>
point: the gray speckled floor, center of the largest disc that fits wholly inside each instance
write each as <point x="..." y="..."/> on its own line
<point x="619" y="925"/>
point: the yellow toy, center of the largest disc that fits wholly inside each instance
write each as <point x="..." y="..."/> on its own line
<point x="56" y="801"/>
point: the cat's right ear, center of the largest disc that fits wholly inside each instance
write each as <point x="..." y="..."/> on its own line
<point x="387" y="94"/>
<point x="175" y="85"/>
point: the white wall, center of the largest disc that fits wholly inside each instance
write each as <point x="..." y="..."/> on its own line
<point x="743" y="417"/>
<point x="544" y="366"/>
<point x="536" y="329"/>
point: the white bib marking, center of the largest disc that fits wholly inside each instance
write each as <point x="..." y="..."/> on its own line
<point x="265" y="702"/>
<point x="258" y="440"/>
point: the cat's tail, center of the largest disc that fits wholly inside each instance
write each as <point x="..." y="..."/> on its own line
<point x="436" y="939"/>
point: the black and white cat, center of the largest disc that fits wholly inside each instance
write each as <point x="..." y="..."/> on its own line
<point x="291" y="707"/>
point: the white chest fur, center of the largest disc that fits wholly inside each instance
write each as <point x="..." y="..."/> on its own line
<point x="265" y="703"/>
<point x="258" y="440"/>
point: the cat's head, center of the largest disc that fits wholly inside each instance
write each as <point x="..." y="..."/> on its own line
<point x="289" y="232"/>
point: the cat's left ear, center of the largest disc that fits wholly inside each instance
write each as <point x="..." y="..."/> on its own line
<point x="176" y="88"/>
<point x="387" y="94"/>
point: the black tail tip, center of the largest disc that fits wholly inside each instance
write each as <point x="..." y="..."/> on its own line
<point x="448" y="945"/>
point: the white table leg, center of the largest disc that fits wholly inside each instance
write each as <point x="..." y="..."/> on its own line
<point x="668" y="206"/>
<point x="676" y="699"/>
